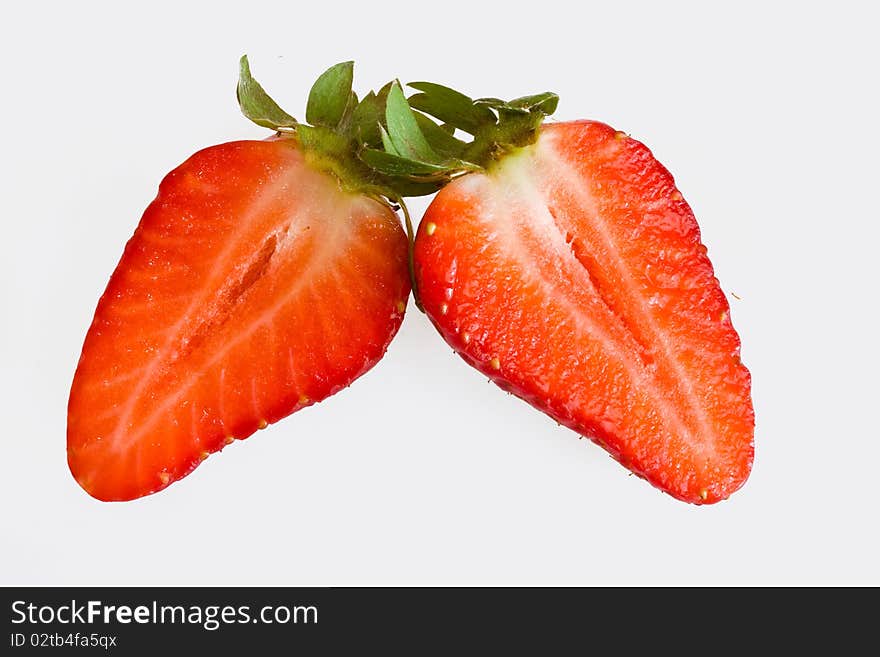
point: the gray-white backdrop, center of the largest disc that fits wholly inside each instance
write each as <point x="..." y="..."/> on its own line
<point x="421" y="472"/>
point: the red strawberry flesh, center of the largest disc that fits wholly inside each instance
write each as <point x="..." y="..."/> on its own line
<point x="253" y="286"/>
<point x="573" y="274"/>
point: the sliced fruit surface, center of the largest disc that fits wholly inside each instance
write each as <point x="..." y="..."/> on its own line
<point x="572" y="273"/>
<point x="253" y="286"/>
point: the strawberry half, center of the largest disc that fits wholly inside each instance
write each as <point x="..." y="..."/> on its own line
<point x="264" y="277"/>
<point x="569" y="269"/>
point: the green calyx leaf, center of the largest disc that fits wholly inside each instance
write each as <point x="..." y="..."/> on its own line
<point x="545" y="103"/>
<point x="450" y="107"/>
<point x="366" y="119"/>
<point x="393" y="164"/>
<point x="256" y="104"/>
<point x="331" y="95"/>
<point x="440" y="138"/>
<point x="350" y="107"/>
<point x="498" y="126"/>
<point x="403" y="129"/>
<point x="413" y="146"/>
<point x="500" y="105"/>
<point x="387" y="143"/>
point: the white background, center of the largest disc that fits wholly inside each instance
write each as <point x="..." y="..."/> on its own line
<point x="421" y="472"/>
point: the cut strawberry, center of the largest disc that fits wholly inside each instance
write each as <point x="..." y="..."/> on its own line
<point x="570" y="271"/>
<point x="252" y="287"/>
<point x="564" y="264"/>
<point x="265" y="276"/>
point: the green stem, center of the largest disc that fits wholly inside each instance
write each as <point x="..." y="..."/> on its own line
<point x="510" y="133"/>
<point x="411" y="238"/>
